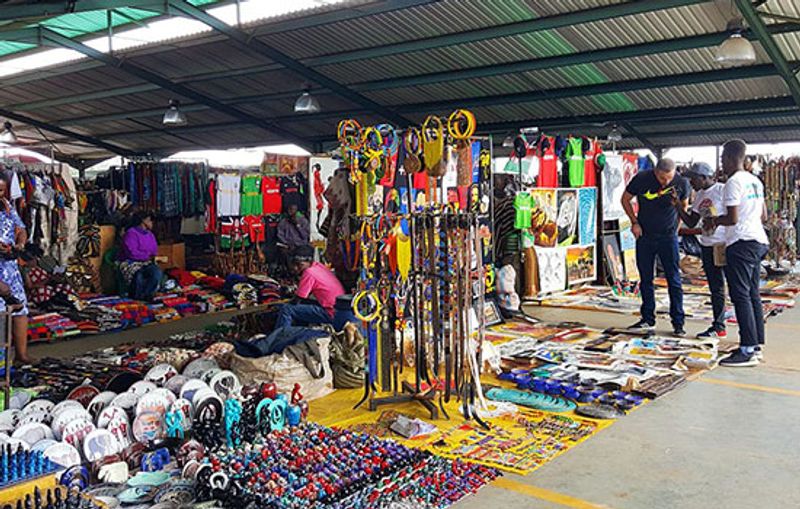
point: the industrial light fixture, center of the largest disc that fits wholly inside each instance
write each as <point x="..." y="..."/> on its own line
<point x="614" y="135"/>
<point x="306" y="103"/>
<point x="508" y="142"/>
<point x="7" y="136"/>
<point x="174" y="116"/>
<point x="736" y="50"/>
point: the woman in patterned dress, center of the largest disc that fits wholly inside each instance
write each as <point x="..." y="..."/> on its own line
<point x="12" y="242"/>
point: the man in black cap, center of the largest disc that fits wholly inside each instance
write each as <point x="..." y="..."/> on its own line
<point x="708" y="203"/>
<point x="655" y="226"/>
<point x="316" y="280"/>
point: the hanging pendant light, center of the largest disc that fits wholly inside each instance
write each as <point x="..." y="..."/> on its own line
<point x="174" y="116"/>
<point x="7" y="136"/>
<point x="614" y="135"/>
<point x="307" y="103"/>
<point x="508" y="142"/>
<point x="736" y="49"/>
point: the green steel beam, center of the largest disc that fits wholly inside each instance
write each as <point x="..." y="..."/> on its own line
<point x="511" y="29"/>
<point x="564" y="93"/>
<point x="559" y="61"/>
<point x="51" y="9"/>
<point x="687" y="114"/>
<point x="744" y="131"/>
<point x="690" y="115"/>
<point x="438" y="77"/>
<point x="771" y="47"/>
<point x="265" y="51"/>
<point x="167" y="84"/>
<point x="639" y="136"/>
<point x="753" y="71"/>
<point x="91" y="140"/>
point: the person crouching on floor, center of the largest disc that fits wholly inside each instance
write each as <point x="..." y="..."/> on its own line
<point x="707" y="203"/>
<point x="316" y="280"/>
<point x="747" y="244"/>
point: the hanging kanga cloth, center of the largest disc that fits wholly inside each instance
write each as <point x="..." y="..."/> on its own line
<point x="228" y="195"/>
<point x="211" y="208"/>
<point x="251" y="201"/>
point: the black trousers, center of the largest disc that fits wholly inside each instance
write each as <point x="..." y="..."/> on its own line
<point x="743" y="271"/>
<point x="716" y="283"/>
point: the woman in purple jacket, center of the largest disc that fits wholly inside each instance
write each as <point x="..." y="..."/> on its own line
<point x="137" y="258"/>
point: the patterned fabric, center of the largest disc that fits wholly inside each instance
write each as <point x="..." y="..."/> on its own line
<point x="88" y="241"/>
<point x="130" y="268"/>
<point x="9" y="270"/>
<point x="169" y="190"/>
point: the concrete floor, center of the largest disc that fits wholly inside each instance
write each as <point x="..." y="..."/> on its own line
<point x="728" y="440"/>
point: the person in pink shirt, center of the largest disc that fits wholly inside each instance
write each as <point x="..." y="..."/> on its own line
<point x="317" y="281"/>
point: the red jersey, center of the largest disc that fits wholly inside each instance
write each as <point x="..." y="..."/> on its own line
<point x="254" y="228"/>
<point x="590" y="164"/>
<point x="271" y="193"/>
<point x="548" y="167"/>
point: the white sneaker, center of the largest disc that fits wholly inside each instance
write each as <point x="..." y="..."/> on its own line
<point x="759" y="353"/>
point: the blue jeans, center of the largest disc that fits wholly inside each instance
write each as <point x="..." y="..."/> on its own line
<point x="666" y="248"/>
<point x="301" y="315"/>
<point x="743" y="270"/>
<point x="716" y="283"/>
<point x="145" y="282"/>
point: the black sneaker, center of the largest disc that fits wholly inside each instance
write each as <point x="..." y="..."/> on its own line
<point x="712" y="332"/>
<point x="678" y="331"/>
<point x="739" y="359"/>
<point x="641" y="326"/>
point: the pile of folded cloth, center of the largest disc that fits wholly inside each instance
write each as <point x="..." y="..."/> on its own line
<point x="133" y="313"/>
<point x="51" y="326"/>
<point x="165" y="312"/>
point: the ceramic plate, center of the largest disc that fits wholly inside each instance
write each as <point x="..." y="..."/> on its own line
<point x="175" y="383"/>
<point x="142" y="387"/>
<point x="42" y="445"/>
<point x="225" y="384"/>
<point x="83" y="394"/>
<point x="33" y="432"/>
<point x="39" y="405"/>
<point x="120" y="427"/>
<point x="108" y="413"/>
<point x="199" y="366"/>
<point x="192" y="386"/>
<point x="67" y="416"/>
<point x="43" y="417"/>
<point x="63" y="405"/>
<point x="99" y="402"/>
<point x="19" y="399"/>
<point x="98" y="444"/>
<point x="125" y="400"/>
<point x="63" y="454"/>
<point x="152" y="402"/>
<point x="148" y="427"/>
<point x="160" y="374"/>
<point x="75" y="432"/>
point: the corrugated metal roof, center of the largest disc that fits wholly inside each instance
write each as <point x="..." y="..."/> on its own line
<point x="130" y="109"/>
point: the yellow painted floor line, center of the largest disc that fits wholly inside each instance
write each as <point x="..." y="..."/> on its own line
<point x="751" y="387"/>
<point x="546" y="495"/>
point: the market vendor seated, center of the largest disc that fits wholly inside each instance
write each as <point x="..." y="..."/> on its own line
<point x="137" y="258"/>
<point x="293" y="230"/>
<point x="316" y="280"/>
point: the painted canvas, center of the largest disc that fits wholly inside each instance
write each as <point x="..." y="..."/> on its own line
<point x="631" y="270"/>
<point x="627" y="240"/>
<point x="587" y="215"/>
<point x="552" y="269"/>
<point x="613" y="187"/>
<point x="543" y="217"/>
<point x="580" y="264"/>
<point x="322" y="169"/>
<point x="567" y="220"/>
<point x="613" y="257"/>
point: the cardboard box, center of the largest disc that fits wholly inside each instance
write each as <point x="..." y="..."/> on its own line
<point x="175" y="254"/>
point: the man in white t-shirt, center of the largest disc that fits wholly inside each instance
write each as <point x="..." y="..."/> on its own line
<point x="747" y="244"/>
<point x="708" y="203"/>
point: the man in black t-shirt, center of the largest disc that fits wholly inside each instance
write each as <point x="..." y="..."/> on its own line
<point x="656" y="230"/>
